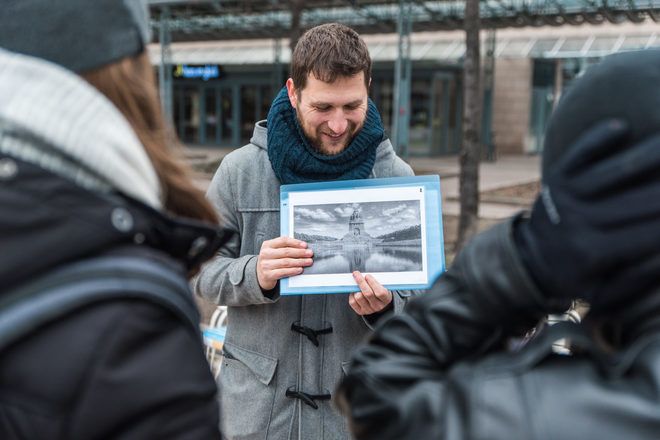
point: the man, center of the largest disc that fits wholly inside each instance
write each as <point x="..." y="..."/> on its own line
<point x="284" y="355"/>
<point x="439" y="370"/>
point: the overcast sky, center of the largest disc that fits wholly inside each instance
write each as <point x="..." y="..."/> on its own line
<point x="379" y="217"/>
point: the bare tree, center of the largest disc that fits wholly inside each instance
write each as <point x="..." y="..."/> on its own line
<point x="470" y="150"/>
<point x="296" y="7"/>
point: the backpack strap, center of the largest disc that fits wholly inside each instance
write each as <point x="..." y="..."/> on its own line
<point x="74" y="286"/>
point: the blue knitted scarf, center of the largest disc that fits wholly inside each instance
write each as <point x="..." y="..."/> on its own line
<point x="294" y="160"/>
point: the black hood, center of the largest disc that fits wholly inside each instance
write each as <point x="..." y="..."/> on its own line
<point x="47" y="220"/>
<point x="626" y="87"/>
<point x="623" y="86"/>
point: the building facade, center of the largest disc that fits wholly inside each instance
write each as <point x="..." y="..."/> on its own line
<point x="220" y="88"/>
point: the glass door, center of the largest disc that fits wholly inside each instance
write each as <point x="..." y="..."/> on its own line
<point x="543" y="97"/>
<point x="420" y="117"/>
<point x="226" y="116"/>
<point x="190" y="115"/>
<point x="211" y="134"/>
<point x="446" y="113"/>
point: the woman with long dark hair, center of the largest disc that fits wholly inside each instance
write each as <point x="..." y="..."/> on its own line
<point x="100" y="226"/>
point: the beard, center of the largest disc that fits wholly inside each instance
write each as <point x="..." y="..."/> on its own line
<point x="332" y="147"/>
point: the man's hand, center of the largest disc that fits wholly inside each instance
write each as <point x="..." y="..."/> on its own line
<point x="279" y="258"/>
<point x="371" y="298"/>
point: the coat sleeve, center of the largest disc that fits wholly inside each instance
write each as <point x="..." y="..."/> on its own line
<point x="148" y="379"/>
<point x="230" y="279"/>
<point x="396" y="386"/>
<point x="399" y="300"/>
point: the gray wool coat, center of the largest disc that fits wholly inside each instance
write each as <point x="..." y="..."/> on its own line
<point x="264" y="356"/>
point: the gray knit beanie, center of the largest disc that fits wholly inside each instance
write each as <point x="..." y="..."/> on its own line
<point x="77" y="34"/>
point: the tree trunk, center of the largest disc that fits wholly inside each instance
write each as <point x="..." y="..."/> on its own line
<point x="297" y="7"/>
<point x="470" y="151"/>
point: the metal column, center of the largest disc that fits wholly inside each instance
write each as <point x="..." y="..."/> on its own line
<point x="165" y="71"/>
<point x="402" y="72"/>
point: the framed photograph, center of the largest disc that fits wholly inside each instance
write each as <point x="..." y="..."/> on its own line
<point x="389" y="228"/>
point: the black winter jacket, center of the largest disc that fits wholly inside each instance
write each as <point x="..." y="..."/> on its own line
<point x="127" y="369"/>
<point x="440" y="370"/>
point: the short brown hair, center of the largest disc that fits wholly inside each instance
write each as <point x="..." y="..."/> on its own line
<point x="329" y="51"/>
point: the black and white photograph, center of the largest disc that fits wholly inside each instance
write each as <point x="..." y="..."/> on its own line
<point x="389" y="229"/>
<point x="384" y="236"/>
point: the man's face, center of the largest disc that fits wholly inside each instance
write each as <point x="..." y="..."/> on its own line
<point x="330" y="114"/>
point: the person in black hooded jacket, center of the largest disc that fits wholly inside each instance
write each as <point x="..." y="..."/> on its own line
<point x="87" y="173"/>
<point x="442" y="370"/>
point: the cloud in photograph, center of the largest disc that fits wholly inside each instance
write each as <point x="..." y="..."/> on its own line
<point x="390" y="212"/>
<point x="344" y="211"/>
<point x="314" y="214"/>
<point x="410" y="214"/>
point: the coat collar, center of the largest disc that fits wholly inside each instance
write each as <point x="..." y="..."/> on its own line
<point x="48" y="220"/>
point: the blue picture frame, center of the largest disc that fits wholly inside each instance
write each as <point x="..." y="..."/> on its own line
<point x="416" y="199"/>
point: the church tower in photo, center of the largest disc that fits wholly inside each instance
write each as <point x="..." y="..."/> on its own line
<point x="356" y="224"/>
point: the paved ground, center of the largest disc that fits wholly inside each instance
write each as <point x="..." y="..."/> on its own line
<point x="506" y="171"/>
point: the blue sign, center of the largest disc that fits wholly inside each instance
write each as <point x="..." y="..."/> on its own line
<point x="205" y="72"/>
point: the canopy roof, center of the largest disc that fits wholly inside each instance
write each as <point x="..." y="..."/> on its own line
<point x="195" y="20"/>
<point x="448" y="50"/>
